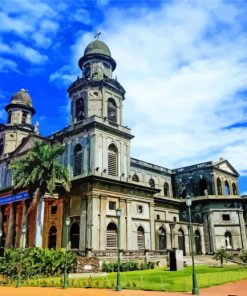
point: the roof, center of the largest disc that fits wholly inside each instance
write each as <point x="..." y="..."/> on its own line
<point x="97" y="47"/>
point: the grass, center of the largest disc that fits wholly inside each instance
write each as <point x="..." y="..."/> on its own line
<point x="158" y="279"/>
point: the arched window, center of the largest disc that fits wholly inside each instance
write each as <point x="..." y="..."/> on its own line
<point x="9" y="116"/>
<point x="203" y="187"/>
<point x="151" y="183"/>
<point x="166" y="189"/>
<point x="79" y="109"/>
<point x="162" y="238"/>
<point x="219" y="186"/>
<point x="24" y="117"/>
<point x="158" y="217"/>
<point x="77" y="160"/>
<point x="135" y="178"/>
<point x="227" y="188"/>
<point x="52" y="239"/>
<point x="112" y="160"/>
<point x="74" y="236"/>
<point x="228" y="240"/>
<point x="198" y="242"/>
<point x="140" y="238"/>
<point x="181" y="241"/>
<point x="234" y="188"/>
<point x="111" y="236"/>
<point x="112" y="110"/>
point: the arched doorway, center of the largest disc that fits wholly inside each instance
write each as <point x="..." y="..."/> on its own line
<point x="52" y="239"/>
<point x="74" y="236"/>
<point x="162" y="238"/>
<point x="3" y="238"/>
<point x="111" y="236"/>
<point x="140" y="238"/>
<point x="181" y="240"/>
<point x="198" y="242"/>
<point x="227" y="188"/>
<point x="228" y="240"/>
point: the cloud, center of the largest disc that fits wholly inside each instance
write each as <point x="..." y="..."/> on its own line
<point x="7" y="65"/>
<point x="184" y="67"/>
<point x="82" y="15"/>
<point x="64" y="75"/>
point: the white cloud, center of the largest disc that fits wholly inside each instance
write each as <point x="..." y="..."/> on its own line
<point x="7" y="65"/>
<point x="82" y="15"/>
<point x="29" y="54"/>
<point x="64" y="75"/>
<point x="183" y="67"/>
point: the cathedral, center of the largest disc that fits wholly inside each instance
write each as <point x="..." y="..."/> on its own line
<point x="104" y="177"/>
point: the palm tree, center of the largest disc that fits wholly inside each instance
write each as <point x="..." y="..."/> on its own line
<point x="40" y="172"/>
<point x="221" y="255"/>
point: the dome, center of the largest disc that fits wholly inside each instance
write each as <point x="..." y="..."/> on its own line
<point x="22" y="97"/>
<point x="97" y="47"/>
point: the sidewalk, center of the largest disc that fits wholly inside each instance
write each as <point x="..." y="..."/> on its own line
<point x="230" y="289"/>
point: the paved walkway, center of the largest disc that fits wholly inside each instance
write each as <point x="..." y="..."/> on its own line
<point x="231" y="289"/>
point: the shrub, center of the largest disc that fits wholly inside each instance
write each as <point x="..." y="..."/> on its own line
<point x="243" y="256"/>
<point x="221" y="255"/>
<point x="125" y="266"/>
<point x="35" y="261"/>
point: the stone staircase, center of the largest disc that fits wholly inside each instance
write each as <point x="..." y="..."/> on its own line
<point x="204" y="260"/>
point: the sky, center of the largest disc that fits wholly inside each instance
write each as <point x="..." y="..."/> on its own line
<point x="183" y="65"/>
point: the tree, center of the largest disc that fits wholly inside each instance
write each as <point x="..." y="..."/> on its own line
<point x="40" y="171"/>
<point x="221" y="255"/>
<point x="243" y="256"/>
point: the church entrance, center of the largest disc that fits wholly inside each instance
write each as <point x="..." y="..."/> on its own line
<point x="74" y="236"/>
<point x="52" y="240"/>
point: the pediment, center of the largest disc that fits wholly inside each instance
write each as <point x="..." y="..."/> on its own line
<point x="226" y="167"/>
<point x="26" y="144"/>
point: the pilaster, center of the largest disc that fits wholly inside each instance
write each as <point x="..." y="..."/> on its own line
<point x="102" y="230"/>
<point x="152" y="227"/>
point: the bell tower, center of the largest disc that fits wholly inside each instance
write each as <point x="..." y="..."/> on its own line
<point x="96" y="108"/>
<point x="19" y="122"/>
<point x="96" y="93"/>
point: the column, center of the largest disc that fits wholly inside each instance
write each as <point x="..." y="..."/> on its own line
<point x="39" y="223"/>
<point x="94" y="225"/>
<point x="211" y="232"/>
<point x="102" y="226"/>
<point x="152" y="227"/>
<point x="173" y="236"/>
<point x="242" y="230"/>
<point x="11" y="225"/>
<point x="83" y="223"/>
<point x="128" y="244"/>
<point x="122" y="206"/>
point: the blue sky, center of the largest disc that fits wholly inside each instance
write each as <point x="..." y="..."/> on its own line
<point x="182" y="63"/>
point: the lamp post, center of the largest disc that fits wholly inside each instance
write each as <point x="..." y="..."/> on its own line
<point x="118" y="286"/>
<point x="65" y="278"/>
<point x="195" y="289"/>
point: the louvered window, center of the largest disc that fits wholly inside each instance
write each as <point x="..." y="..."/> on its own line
<point x="111" y="236"/>
<point x="112" y="110"/>
<point x="140" y="238"/>
<point x="77" y="160"/>
<point x="112" y="160"/>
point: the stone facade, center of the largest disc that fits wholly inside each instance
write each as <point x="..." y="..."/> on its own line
<point x="104" y="178"/>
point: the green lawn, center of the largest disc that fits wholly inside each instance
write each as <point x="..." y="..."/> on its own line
<point x="157" y="279"/>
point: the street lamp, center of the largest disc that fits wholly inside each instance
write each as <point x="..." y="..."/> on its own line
<point x="65" y="278"/>
<point x="195" y="289"/>
<point x="118" y="286"/>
